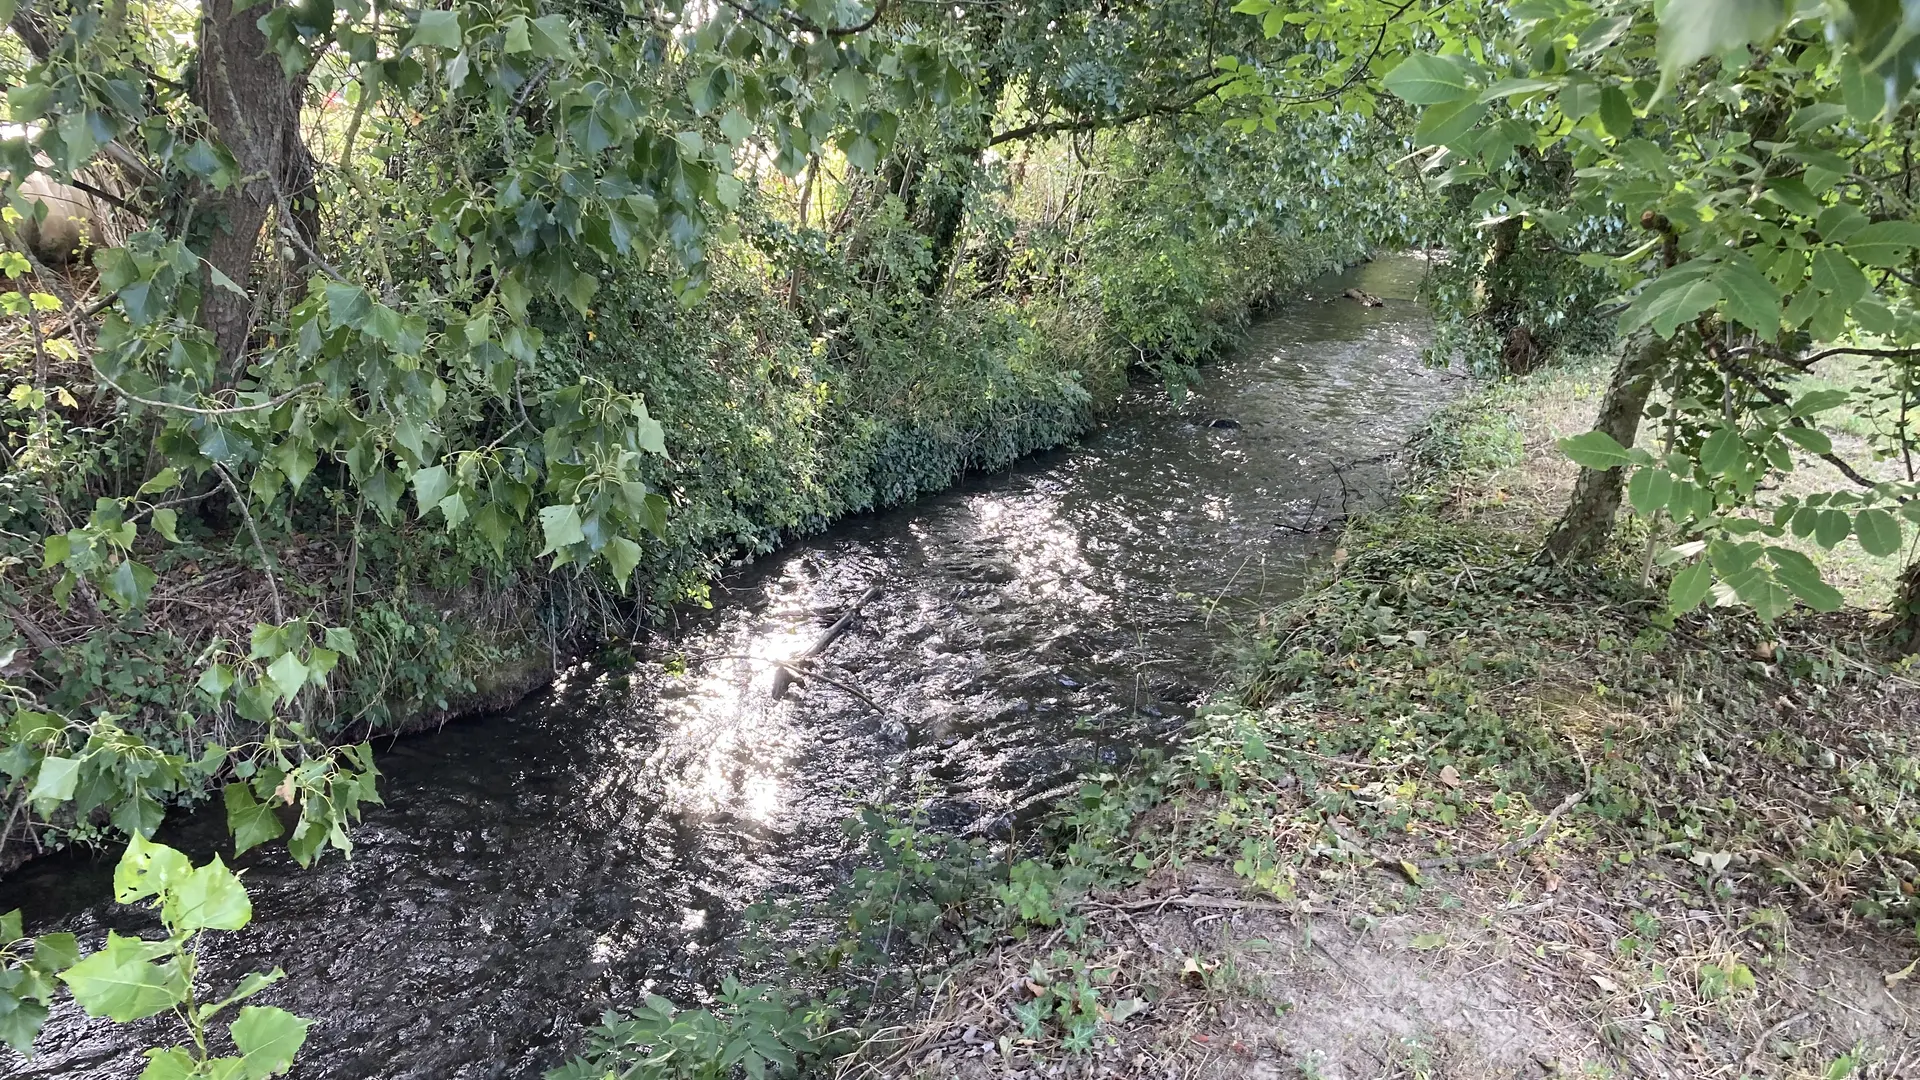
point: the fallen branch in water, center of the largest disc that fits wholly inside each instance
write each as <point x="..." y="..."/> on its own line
<point x="793" y="669"/>
<point x="784" y="678"/>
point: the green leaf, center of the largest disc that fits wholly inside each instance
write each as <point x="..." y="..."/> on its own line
<point x="552" y="37"/>
<point x="1763" y="593"/>
<point x="735" y="126"/>
<point x="1814" y="402"/>
<point x="165" y="480"/>
<point x="1802" y="579"/>
<point x="123" y="982"/>
<point x="55" y="780"/>
<point x="1579" y="99"/>
<point x="164" y="523"/>
<point x="1595" y="450"/>
<point x="383" y="325"/>
<point x="58" y="549"/>
<point x="495" y="525"/>
<point x="1864" y="92"/>
<point x="1835" y="273"/>
<point x="268" y="1039"/>
<point x="517" y="39"/>
<point x="21" y="1024"/>
<point x="216" y="681"/>
<point x="173" y="1063"/>
<point x="622" y="556"/>
<point x="580" y="292"/>
<point x="850" y="86"/>
<point x="253" y="983"/>
<point x="1884" y="243"/>
<point x="655" y="515"/>
<point x="288" y="675"/>
<point x="1751" y="299"/>
<point x="560" y="524"/>
<point x="1816" y="116"/>
<point x="1616" y="112"/>
<point x="296" y="460"/>
<point x="1424" y="79"/>
<point x="650" y="436"/>
<point x="252" y="822"/>
<point x="1878" y="532"/>
<point x="1650" y="490"/>
<point x="347" y="305"/>
<point x="130" y="584"/>
<point x="211" y="898"/>
<point x="54" y="953"/>
<point x="454" y="509"/>
<point x="1723" y="451"/>
<point x="430" y="486"/>
<point x="1808" y="439"/>
<point x="439" y="29"/>
<point x="383" y="489"/>
<point x="147" y="869"/>
<point x="862" y="152"/>
<point x="1832" y="527"/>
<point x="1668" y="302"/>
<point x="340" y="640"/>
<point x="1443" y="124"/>
<point x="1507" y="88"/>
<point x="1693" y="29"/>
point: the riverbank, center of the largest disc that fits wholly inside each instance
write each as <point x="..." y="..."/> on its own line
<point x="1465" y="816"/>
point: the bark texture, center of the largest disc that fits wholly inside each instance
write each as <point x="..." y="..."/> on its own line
<point x="255" y="110"/>
<point x="1588" y="522"/>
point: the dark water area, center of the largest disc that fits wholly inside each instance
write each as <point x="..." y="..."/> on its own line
<point x="598" y="842"/>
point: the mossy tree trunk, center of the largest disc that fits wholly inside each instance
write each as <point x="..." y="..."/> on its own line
<point x="1588" y="522"/>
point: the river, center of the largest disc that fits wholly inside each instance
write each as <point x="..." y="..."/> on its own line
<point x="599" y="841"/>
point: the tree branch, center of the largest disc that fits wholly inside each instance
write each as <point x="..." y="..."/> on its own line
<point x="230" y="410"/>
<point x="266" y="561"/>
<point x="1718" y="354"/>
<point x="1805" y="362"/>
<point x="1040" y="129"/>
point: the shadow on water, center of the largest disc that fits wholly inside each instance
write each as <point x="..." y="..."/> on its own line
<point x="532" y="866"/>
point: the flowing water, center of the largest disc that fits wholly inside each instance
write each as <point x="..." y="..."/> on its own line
<point x="600" y="840"/>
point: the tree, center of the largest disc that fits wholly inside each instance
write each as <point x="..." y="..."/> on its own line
<point x="1767" y="154"/>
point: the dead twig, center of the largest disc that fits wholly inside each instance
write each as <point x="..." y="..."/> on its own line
<point x="784" y="678"/>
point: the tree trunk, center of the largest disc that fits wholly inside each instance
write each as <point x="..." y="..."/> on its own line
<point x="1518" y="351"/>
<point x="255" y="110"/>
<point x="1903" y="632"/>
<point x="1583" y="530"/>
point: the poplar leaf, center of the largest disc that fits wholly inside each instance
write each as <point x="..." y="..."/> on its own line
<point x="1423" y="79"/>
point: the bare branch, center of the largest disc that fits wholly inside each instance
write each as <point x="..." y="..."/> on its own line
<point x="272" y="403"/>
<point x="266" y="561"/>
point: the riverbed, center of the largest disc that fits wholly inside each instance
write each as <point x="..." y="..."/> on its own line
<point x="599" y="841"/>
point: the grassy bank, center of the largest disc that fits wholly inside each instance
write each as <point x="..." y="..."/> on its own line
<point x="1466" y="816"/>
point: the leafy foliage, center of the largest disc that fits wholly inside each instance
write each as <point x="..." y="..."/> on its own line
<point x="750" y="1030"/>
<point x="1763" y="153"/>
<point x="132" y="978"/>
